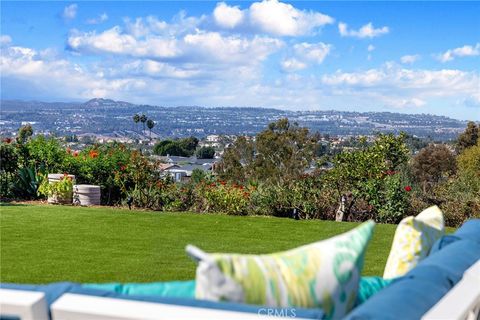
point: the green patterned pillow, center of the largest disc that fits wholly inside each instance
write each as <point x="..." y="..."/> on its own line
<point x="323" y="274"/>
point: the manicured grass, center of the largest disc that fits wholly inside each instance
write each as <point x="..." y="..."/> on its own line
<point x="41" y="244"/>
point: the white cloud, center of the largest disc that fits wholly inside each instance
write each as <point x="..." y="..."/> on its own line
<point x="399" y="87"/>
<point x="366" y="31"/>
<point x="114" y="41"/>
<point x="465" y="51"/>
<point x="206" y="47"/>
<point x="305" y="54"/>
<point x="5" y="39"/>
<point x="101" y="18"/>
<point x="271" y="17"/>
<point x="226" y="16"/>
<point x="137" y="80"/>
<point x="142" y="27"/>
<point x="409" y="59"/>
<point x="292" y="65"/>
<point x="314" y="52"/>
<point x="70" y="12"/>
<point x="370" y="48"/>
<point x="282" y="19"/>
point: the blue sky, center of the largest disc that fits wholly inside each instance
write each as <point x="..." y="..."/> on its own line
<point x="411" y="57"/>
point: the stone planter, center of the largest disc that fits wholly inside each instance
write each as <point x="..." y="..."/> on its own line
<point x="86" y="195"/>
<point x="54" y="198"/>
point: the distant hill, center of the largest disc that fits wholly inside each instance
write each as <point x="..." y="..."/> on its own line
<point x="106" y="116"/>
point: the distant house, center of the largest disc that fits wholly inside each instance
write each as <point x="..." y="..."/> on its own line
<point x="181" y="168"/>
<point x="184" y="173"/>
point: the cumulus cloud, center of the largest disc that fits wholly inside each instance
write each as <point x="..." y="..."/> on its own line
<point x="314" y="52"/>
<point x="227" y="16"/>
<point x="305" y="54"/>
<point x="292" y="65"/>
<point x="70" y="12"/>
<point x="270" y="16"/>
<point x="400" y="87"/>
<point x="207" y="47"/>
<point x="136" y="79"/>
<point x="366" y="31"/>
<point x="283" y="19"/>
<point x="101" y="18"/>
<point x="5" y="39"/>
<point x="409" y="59"/>
<point x="465" y="51"/>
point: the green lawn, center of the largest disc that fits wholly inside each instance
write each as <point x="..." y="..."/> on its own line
<point x="42" y="244"/>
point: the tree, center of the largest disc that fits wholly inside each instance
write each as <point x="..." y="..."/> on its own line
<point x="143" y="119"/>
<point x="237" y="161"/>
<point x="280" y="152"/>
<point x="150" y="125"/>
<point x="371" y="174"/>
<point x="173" y="148"/>
<point x="206" y="153"/>
<point x="469" y="161"/>
<point x="432" y="164"/>
<point x="198" y="175"/>
<point x="136" y="119"/>
<point x="24" y="133"/>
<point x="469" y="137"/>
<point x="189" y="145"/>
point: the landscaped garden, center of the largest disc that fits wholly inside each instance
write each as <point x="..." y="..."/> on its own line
<point x="42" y="244"/>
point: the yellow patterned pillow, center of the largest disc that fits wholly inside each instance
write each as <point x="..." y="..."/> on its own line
<point x="413" y="240"/>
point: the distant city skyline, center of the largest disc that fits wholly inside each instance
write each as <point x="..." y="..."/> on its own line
<point x="408" y="57"/>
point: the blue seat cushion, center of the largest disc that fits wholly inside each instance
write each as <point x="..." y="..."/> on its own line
<point x="408" y="297"/>
<point x="55" y="290"/>
<point x="178" y="289"/>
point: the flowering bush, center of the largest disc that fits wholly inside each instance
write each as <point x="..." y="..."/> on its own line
<point x="223" y="197"/>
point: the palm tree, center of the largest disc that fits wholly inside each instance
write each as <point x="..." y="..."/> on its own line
<point x="143" y="119"/>
<point x="150" y="125"/>
<point x="136" y="119"/>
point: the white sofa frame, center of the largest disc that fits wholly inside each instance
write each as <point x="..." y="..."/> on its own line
<point x="26" y="305"/>
<point x="462" y="302"/>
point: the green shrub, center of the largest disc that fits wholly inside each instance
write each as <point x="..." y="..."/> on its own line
<point x="26" y="183"/>
<point x="61" y="189"/>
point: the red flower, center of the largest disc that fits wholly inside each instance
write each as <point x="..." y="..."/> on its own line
<point x="122" y="168"/>
<point x="7" y="140"/>
<point x="75" y="154"/>
<point x="408" y="188"/>
<point x="93" y="154"/>
<point x="223" y="183"/>
<point x="69" y="150"/>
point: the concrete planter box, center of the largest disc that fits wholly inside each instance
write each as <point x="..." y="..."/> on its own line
<point x="87" y="195"/>
<point x="54" y="198"/>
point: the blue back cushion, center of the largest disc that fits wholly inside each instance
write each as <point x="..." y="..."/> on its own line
<point x="411" y="296"/>
<point x="470" y="230"/>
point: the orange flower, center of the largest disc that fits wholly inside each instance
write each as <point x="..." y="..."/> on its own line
<point x="69" y="150"/>
<point x="93" y="154"/>
<point x="75" y="154"/>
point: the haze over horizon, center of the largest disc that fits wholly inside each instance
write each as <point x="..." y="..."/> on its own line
<point x="406" y="57"/>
